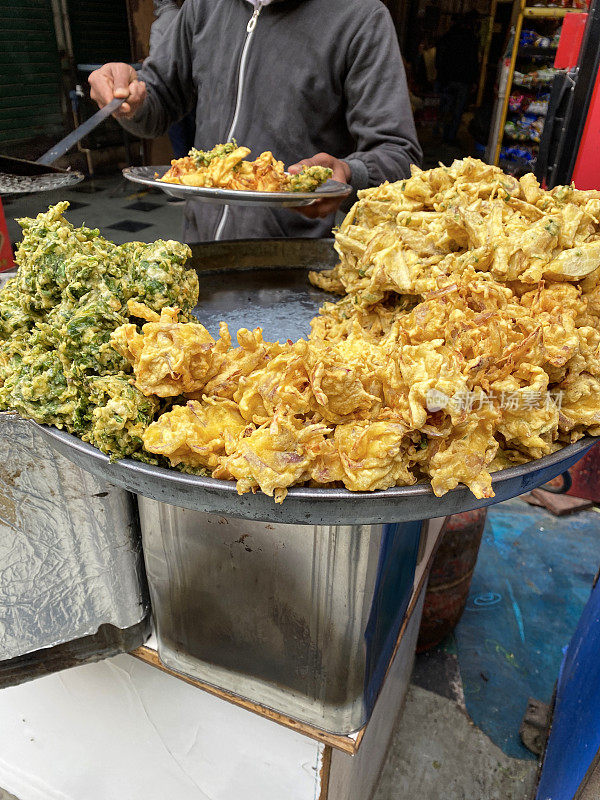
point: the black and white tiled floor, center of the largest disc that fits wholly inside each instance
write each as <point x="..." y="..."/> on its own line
<point x="117" y="207"/>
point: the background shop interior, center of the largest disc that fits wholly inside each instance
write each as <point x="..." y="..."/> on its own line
<point x="54" y="46"/>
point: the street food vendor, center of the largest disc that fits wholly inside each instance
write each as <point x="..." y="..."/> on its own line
<point x="182" y="132"/>
<point x="317" y="82"/>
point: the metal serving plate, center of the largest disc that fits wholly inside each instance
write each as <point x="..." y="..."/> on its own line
<point x="147" y="176"/>
<point x="264" y="282"/>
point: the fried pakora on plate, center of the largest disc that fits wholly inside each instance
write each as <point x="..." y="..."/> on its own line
<point x="225" y="167"/>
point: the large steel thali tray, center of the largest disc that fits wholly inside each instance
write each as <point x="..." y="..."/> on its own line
<point x="148" y="176"/>
<point x="264" y="282"/>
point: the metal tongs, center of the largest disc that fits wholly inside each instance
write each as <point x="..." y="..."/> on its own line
<point x="18" y="175"/>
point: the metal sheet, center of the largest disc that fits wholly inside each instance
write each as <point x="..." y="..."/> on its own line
<point x="70" y="555"/>
<point x="302" y="619"/>
<point x="264" y="282"/>
<point x="148" y="176"/>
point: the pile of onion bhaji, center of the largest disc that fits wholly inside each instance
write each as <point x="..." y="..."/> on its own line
<point x="467" y="339"/>
<point x="225" y="167"/>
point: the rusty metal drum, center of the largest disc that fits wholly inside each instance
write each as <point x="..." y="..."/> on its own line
<point x="450" y="577"/>
<point x="585" y="476"/>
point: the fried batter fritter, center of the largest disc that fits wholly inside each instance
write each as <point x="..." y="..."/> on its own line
<point x="57" y="364"/>
<point x="225" y="167"/>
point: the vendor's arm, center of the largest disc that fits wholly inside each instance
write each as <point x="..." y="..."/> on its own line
<point x="379" y="115"/>
<point x="163" y="91"/>
<point x="165" y="12"/>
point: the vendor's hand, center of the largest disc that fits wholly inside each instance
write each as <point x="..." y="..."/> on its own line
<point x="341" y="172"/>
<point x="118" y="80"/>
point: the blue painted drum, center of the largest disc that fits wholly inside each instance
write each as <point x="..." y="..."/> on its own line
<point x="573" y="750"/>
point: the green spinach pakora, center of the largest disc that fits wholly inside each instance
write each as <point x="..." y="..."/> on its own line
<point x="57" y="314"/>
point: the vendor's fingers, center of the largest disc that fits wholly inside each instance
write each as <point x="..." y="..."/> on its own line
<point x="340" y="169"/>
<point x="341" y="172"/>
<point x="124" y="78"/>
<point x="294" y="169"/>
<point x="322" y="208"/>
<point x="136" y="97"/>
<point x="318" y="160"/>
<point x="101" y="86"/>
<point x="117" y="80"/>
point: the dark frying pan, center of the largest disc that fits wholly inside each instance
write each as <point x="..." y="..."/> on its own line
<point x="18" y="176"/>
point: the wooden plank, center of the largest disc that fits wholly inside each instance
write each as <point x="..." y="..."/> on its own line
<point x="551" y="12"/>
<point x="345" y="743"/>
<point x="29" y="60"/>
<point x="38" y="98"/>
<point x="37" y="38"/>
<point x="141" y="17"/>
<point x="34" y="47"/>
<point x="10" y="25"/>
<point x="39" y="121"/>
<point x="22" y="59"/>
<point x="45" y="83"/>
<point x="26" y="16"/>
<point x="41" y="6"/>
<point x="325" y="773"/>
<point x="158" y="151"/>
<point x="557" y="504"/>
<point x="513" y="62"/>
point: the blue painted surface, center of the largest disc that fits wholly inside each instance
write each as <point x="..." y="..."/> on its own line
<point x="391" y="596"/>
<point x="575" y="736"/>
<point x="532" y="580"/>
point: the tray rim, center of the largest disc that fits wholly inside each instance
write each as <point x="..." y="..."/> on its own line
<point x="310" y="496"/>
<point x="75" y="177"/>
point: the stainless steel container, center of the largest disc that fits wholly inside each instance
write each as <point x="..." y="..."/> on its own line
<point x="300" y="618"/>
<point x="72" y="587"/>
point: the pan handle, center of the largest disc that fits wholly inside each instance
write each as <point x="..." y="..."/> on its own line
<point x="69" y="141"/>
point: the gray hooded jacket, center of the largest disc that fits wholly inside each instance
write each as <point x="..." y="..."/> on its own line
<point x="312" y="76"/>
<point x="165" y="12"/>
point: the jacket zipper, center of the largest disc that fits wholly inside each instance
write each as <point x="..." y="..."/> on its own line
<point x="238" y="100"/>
